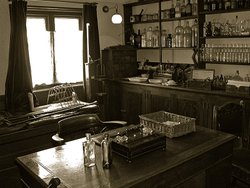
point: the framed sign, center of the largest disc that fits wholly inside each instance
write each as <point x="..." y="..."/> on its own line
<point x="203" y="74"/>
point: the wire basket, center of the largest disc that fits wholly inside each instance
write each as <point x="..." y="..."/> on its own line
<point x="170" y="124"/>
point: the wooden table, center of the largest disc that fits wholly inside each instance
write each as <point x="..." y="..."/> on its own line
<point x="199" y="159"/>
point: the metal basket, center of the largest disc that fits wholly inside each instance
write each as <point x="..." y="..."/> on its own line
<point x="170" y="124"/>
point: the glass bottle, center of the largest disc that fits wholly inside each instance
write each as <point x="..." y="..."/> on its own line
<point x="106" y="152"/>
<point x="155" y="37"/>
<point x="213" y="5"/>
<point x="149" y="37"/>
<point x="172" y="10"/>
<point x="187" y="35"/>
<point x="179" y="32"/>
<point x="173" y="41"/>
<point x="178" y="9"/>
<point x="183" y="8"/>
<point x="233" y="4"/>
<point x="194" y="8"/>
<point x="188" y="8"/>
<point x="144" y="39"/>
<point x="132" y="38"/>
<point x="169" y="41"/>
<point x="195" y="29"/>
<point x="227" y="4"/>
<point x="209" y="29"/>
<point x="138" y="39"/>
<point x="206" y="5"/>
<point x="89" y="151"/>
<point x="164" y="38"/>
<point x="220" y="5"/>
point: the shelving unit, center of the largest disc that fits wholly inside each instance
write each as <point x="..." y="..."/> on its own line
<point x="129" y="26"/>
<point x="224" y="38"/>
<point x="201" y="17"/>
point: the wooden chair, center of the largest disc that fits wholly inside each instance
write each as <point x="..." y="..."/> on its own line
<point x="230" y="118"/>
<point x="77" y="126"/>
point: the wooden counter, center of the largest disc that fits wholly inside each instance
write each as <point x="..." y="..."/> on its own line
<point x="128" y="100"/>
<point x="200" y="159"/>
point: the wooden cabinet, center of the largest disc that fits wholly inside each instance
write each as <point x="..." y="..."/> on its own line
<point x="119" y="61"/>
<point x="129" y="100"/>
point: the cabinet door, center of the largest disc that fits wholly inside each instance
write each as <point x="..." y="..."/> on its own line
<point x="131" y="106"/>
<point x="189" y="104"/>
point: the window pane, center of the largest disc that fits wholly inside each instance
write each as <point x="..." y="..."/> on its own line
<point x="68" y="50"/>
<point x="39" y="51"/>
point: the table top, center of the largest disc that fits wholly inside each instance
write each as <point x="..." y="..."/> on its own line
<point x="66" y="162"/>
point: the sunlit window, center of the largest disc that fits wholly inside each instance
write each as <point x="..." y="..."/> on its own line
<point x="55" y="56"/>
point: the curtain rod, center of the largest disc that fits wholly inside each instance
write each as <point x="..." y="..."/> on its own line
<point x="61" y="1"/>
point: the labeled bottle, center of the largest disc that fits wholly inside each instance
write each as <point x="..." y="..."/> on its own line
<point x="187" y="35"/>
<point x="89" y="151"/>
<point x="179" y="32"/>
<point x="195" y="29"/>
<point x="169" y="41"/>
<point x="106" y="151"/>
<point x="188" y="8"/>
<point x="178" y="9"/>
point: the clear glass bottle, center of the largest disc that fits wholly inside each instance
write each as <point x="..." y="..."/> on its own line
<point x="194" y="8"/>
<point x="149" y="37"/>
<point x="173" y="41"/>
<point x="163" y="38"/>
<point x="89" y="151"/>
<point x="195" y="29"/>
<point x="206" y="5"/>
<point x="106" y="151"/>
<point x="178" y="9"/>
<point x="144" y="39"/>
<point x="155" y="37"/>
<point x="187" y="35"/>
<point x="179" y="35"/>
<point x="188" y="8"/>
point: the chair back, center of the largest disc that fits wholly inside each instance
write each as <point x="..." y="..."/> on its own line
<point x="76" y="126"/>
<point x="229" y="118"/>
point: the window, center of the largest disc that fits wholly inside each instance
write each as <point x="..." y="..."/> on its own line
<point x="56" y="55"/>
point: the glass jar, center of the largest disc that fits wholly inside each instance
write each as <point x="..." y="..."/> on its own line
<point x="179" y="35"/>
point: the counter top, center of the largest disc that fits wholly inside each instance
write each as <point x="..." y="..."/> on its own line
<point x="183" y="88"/>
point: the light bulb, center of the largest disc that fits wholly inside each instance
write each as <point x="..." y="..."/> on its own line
<point x="116" y="18"/>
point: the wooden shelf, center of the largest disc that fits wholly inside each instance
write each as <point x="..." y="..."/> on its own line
<point x="144" y="2"/>
<point x="220" y="37"/>
<point x="225" y="63"/>
<point x="224" y="11"/>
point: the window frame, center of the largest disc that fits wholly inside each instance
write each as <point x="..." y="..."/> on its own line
<point x="49" y="14"/>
